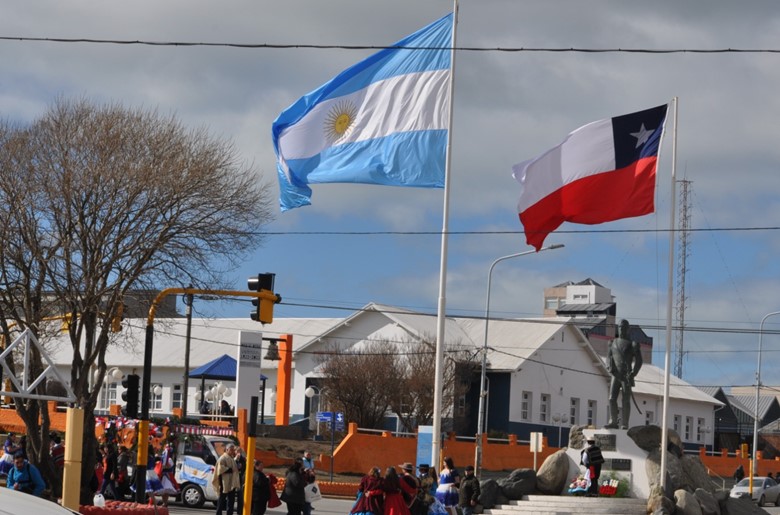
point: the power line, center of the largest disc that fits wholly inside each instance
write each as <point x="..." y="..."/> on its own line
<point x="282" y="46"/>
<point x="508" y="232"/>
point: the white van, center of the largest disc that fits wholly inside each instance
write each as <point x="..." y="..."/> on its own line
<point x="195" y="468"/>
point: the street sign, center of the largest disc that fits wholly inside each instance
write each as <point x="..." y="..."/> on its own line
<point x="324" y="416"/>
<point x="339" y="421"/>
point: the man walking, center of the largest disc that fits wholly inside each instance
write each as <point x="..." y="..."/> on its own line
<point x="591" y="457"/>
<point x="226" y="480"/>
<point x="468" y="495"/>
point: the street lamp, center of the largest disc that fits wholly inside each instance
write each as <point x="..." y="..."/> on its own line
<point x="558" y="418"/>
<point x="758" y="389"/>
<point x="483" y="375"/>
<point x="310" y="392"/>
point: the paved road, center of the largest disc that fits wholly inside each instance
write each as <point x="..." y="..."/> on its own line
<point x="327" y="506"/>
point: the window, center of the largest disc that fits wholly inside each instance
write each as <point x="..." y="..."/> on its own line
<point x="677" y="423"/>
<point x="544" y="408"/>
<point x="155" y="401"/>
<point x="574" y="411"/>
<point x="525" y="407"/>
<point x="462" y="406"/>
<point x="688" y="424"/>
<point x="649" y="417"/>
<point x="107" y="396"/>
<point x="176" y="396"/>
<point x="580" y="296"/>
<point x="700" y="429"/>
<point x="592" y="412"/>
<point x="551" y="303"/>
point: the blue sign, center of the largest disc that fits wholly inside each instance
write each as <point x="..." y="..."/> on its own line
<point x="324" y="416"/>
<point x="339" y="421"/>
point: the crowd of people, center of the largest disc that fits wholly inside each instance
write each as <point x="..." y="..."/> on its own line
<point x="401" y="492"/>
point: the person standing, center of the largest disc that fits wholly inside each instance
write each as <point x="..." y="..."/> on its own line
<point x="739" y="474"/>
<point x="308" y="474"/>
<point x="226" y="480"/>
<point x="294" y="482"/>
<point x="25" y="477"/>
<point x="241" y="465"/>
<point x="395" y="491"/>
<point x="449" y="483"/>
<point x="168" y="474"/>
<point x="370" y="494"/>
<point x="122" y="477"/>
<point x="9" y="451"/>
<point x="414" y="501"/>
<point x="261" y="490"/>
<point x="57" y="453"/>
<point x="592" y="458"/>
<point x="108" y="485"/>
<point x="468" y="494"/>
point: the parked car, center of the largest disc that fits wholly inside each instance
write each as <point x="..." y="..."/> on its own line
<point x="15" y="502"/>
<point x="195" y="468"/>
<point x="765" y="490"/>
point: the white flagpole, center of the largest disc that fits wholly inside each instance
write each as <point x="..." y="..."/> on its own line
<point x="670" y="279"/>
<point x="441" y="310"/>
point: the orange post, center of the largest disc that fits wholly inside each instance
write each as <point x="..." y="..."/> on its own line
<point x="284" y="380"/>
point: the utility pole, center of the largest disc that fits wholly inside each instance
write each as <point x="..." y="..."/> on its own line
<point x="683" y="251"/>
<point x="187" y="299"/>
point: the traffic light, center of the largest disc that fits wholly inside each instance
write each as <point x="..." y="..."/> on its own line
<point x="264" y="305"/>
<point x="131" y="383"/>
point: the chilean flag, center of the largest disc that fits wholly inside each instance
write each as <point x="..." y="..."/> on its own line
<point x="603" y="171"/>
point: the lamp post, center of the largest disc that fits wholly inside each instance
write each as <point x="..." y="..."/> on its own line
<point x="311" y="392"/>
<point x="758" y="389"/>
<point x="483" y="375"/>
<point x="558" y="418"/>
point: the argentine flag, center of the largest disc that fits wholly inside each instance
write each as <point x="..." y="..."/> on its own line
<point x="381" y="121"/>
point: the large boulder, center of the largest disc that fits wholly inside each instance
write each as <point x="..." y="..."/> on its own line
<point x="648" y="438"/>
<point x="675" y="475"/>
<point x="576" y="438"/>
<point x="488" y="493"/>
<point x="695" y="474"/>
<point x="519" y="483"/>
<point x="658" y="503"/>
<point x="553" y="474"/>
<point x="687" y="503"/>
<point x="707" y="501"/>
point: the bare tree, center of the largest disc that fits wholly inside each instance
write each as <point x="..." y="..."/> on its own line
<point x="99" y="200"/>
<point x="380" y="377"/>
<point x="362" y="382"/>
<point x="417" y="360"/>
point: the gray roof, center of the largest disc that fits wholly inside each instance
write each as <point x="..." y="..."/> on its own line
<point x="747" y="403"/>
<point x="210" y="339"/>
<point x="588" y="308"/>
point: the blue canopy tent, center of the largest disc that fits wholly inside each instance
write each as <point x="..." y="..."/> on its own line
<point x="222" y="368"/>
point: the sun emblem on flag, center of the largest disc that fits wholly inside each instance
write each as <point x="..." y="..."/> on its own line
<point x="340" y="120"/>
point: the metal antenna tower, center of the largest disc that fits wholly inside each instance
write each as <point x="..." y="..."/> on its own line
<point x="683" y="251"/>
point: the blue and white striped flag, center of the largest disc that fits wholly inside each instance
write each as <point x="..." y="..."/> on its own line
<point x="382" y="121"/>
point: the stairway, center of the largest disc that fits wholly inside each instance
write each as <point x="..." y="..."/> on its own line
<point x="564" y="504"/>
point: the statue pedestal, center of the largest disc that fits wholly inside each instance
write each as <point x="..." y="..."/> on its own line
<point x="624" y="459"/>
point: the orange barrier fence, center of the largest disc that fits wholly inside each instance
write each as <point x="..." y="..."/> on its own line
<point x="358" y="452"/>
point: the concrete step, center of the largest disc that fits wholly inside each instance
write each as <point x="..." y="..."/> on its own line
<point x="565" y="504"/>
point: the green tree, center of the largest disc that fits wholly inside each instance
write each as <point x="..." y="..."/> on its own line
<point x="100" y="200"/>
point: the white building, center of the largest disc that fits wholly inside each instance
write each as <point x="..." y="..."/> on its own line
<point x="544" y="375"/>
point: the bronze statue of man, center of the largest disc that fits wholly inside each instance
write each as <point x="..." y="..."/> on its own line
<point x="624" y="359"/>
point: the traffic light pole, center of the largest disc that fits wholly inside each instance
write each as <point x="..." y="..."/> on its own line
<point x="142" y="461"/>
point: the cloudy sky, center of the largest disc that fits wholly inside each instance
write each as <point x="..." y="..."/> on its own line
<point x="357" y="244"/>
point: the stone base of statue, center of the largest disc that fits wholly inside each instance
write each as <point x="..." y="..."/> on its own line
<point x="624" y="459"/>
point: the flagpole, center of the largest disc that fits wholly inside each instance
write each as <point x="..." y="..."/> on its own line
<point x="670" y="280"/>
<point x="441" y="308"/>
